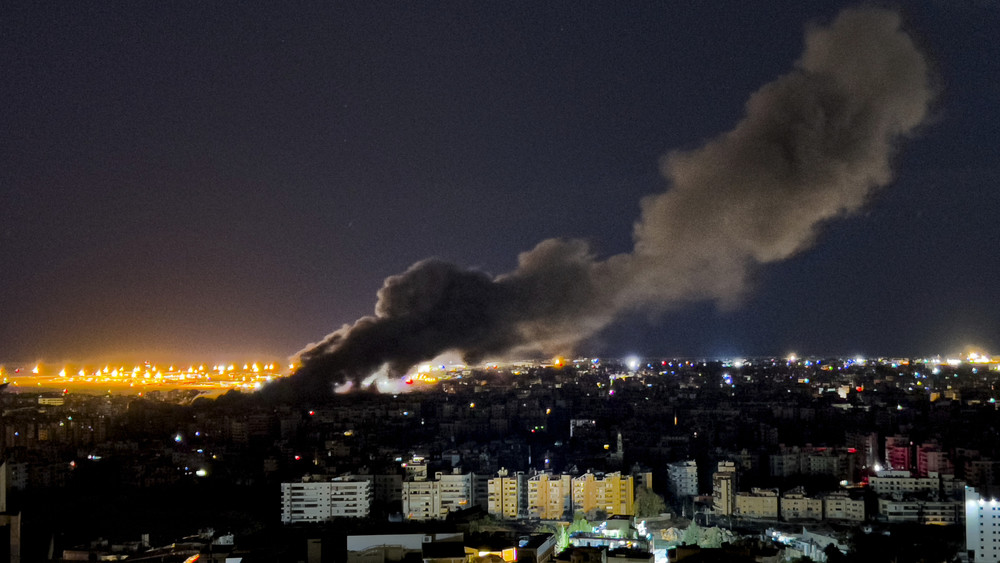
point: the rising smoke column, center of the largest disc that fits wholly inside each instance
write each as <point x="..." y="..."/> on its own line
<point x="813" y="146"/>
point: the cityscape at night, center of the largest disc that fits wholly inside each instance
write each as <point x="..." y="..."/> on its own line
<point x="500" y="282"/>
<point x="653" y="459"/>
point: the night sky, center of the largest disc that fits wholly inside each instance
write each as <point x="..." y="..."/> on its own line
<point x="210" y="180"/>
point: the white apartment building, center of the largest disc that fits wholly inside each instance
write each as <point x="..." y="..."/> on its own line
<point x="683" y="478"/>
<point x="433" y="500"/>
<point x="901" y="483"/>
<point x="421" y="500"/>
<point x="982" y="526"/>
<point x="321" y="501"/>
<point x="457" y="490"/>
<point x="840" y="506"/>
<point x="942" y="512"/>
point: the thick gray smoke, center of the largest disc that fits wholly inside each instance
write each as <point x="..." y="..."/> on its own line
<point x="813" y="145"/>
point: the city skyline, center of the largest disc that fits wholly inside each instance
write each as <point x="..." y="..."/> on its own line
<point x="195" y="180"/>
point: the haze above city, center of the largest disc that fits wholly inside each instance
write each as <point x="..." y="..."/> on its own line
<point x="216" y="182"/>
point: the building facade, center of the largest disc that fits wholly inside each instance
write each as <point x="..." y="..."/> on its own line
<point x="433" y="500"/>
<point x="758" y="503"/>
<point x="982" y="532"/>
<point x="613" y="493"/>
<point x="724" y="489"/>
<point x="840" y="506"/>
<point x="683" y="479"/>
<point x="505" y="494"/>
<point x="898" y="453"/>
<point x="550" y="497"/>
<point x="321" y="501"/>
<point x="796" y="505"/>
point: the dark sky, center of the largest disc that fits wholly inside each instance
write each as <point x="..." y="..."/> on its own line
<point x="208" y="180"/>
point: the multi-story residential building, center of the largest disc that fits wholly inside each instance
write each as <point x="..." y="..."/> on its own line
<point x="724" y="488"/>
<point x="321" y="501"/>
<point x="613" y="493"/>
<point x="840" y="506"/>
<point x="642" y="477"/>
<point x="796" y="505"/>
<point x="983" y="474"/>
<point x="982" y="535"/>
<point x="898" y="484"/>
<point x="481" y="490"/>
<point x="833" y="462"/>
<point x="785" y="463"/>
<point x="416" y="469"/>
<point x="388" y="488"/>
<point x="550" y="497"/>
<point x="683" y="478"/>
<point x="897" y="453"/>
<point x="506" y="493"/>
<point x="866" y="444"/>
<point x="457" y="490"/>
<point x="433" y="500"/>
<point x="758" y="503"/>
<point x="839" y="463"/>
<point x="919" y="511"/>
<point x="421" y="500"/>
<point x="930" y="458"/>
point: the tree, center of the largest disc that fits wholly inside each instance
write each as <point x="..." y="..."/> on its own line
<point x="487" y="523"/>
<point x="692" y="535"/>
<point x="711" y="538"/>
<point x="648" y="503"/>
<point x="597" y="514"/>
<point x="562" y="539"/>
<point x="833" y="555"/>
<point x="580" y="524"/>
<point x="560" y="532"/>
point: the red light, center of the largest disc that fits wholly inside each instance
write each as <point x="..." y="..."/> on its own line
<point x="852" y="450"/>
<point x="663" y="363"/>
<point x="860" y="389"/>
<point x="298" y="457"/>
<point x="409" y="382"/>
<point x="311" y="413"/>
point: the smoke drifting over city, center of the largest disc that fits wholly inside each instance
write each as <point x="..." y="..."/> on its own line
<point x="813" y="146"/>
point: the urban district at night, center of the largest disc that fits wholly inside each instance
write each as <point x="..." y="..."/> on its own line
<point x="652" y="460"/>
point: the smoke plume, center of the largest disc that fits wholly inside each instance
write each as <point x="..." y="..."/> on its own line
<point x="813" y="146"/>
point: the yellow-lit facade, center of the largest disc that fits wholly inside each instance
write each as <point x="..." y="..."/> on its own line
<point x="504" y="493"/>
<point x="796" y="505"/>
<point x="614" y="494"/>
<point x="550" y="496"/>
<point x="724" y="489"/>
<point x="758" y="503"/>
